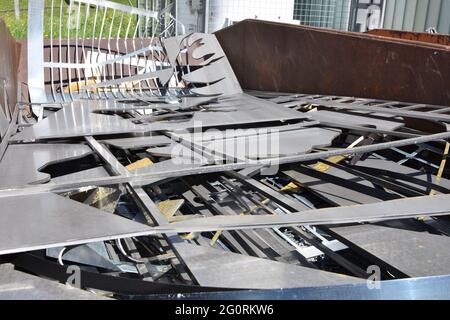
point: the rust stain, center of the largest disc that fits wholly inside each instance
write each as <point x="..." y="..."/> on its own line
<point x="9" y="64"/>
<point x="443" y="39"/>
<point x="333" y="62"/>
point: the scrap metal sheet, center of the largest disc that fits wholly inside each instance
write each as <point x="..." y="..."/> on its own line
<point x="48" y="220"/>
<point x="218" y="268"/>
<point x="417" y="254"/>
<point x="22" y="163"/>
<point x="80" y="118"/>
<point x="18" y="285"/>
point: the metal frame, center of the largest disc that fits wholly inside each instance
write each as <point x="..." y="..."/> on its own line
<point x="73" y="67"/>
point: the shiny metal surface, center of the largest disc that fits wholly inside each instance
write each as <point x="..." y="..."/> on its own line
<point x="98" y="172"/>
<point x="78" y="119"/>
<point x="241" y="271"/>
<point x="416" y="254"/>
<point x="338" y="186"/>
<point x="93" y="68"/>
<point x="222" y="167"/>
<point x="253" y="144"/>
<point x="167" y="205"/>
<point x="73" y="223"/>
<point x="215" y="70"/>
<point x="18" y="285"/>
<point x="36" y="81"/>
<point x="138" y="142"/>
<point x="170" y="165"/>
<point x="429" y="288"/>
<point x="345" y="119"/>
<point x="387" y="210"/>
<point x="81" y="118"/>
<point x="49" y="220"/>
<point x="111" y="162"/>
<point x="21" y="164"/>
<point x="288" y="143"/>
<point x="411" y="111"/>
<point x="393" y="167"/>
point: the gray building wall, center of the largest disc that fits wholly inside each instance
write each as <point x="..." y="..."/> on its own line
<point x="417" y="15"/>
<point x="409" y="15"/>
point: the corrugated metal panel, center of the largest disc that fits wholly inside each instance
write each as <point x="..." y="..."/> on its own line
<point x="410" y="13"/>
<point x="389" y="14"/>
<point x="399" y="14"/>
<point x="421" y="15"/>
<point x="444" y="19"/>
<point x="434" y="8"/>
<point x="418" y="15"/>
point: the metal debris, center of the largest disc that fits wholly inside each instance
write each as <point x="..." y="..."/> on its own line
<point x="169" y="178"/>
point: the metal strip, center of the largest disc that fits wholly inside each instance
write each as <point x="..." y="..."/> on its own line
<point x="121" y="7"/>
<point x="35" y="37"/>
<point x="144" y="178"/>
<point x="388" y="210"/>
<point x="374" y="108"/>
<point x="139" y="194"/>
<point x="12" y="128"/>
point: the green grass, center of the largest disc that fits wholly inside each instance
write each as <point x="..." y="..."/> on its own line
<point x="18" y="28"/>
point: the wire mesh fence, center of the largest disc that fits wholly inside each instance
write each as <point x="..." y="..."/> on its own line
<point x="333" y="14"/>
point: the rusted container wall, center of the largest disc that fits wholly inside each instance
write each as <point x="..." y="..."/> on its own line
<point x="9" y="61"/>
<point x="287" y="58"/>
<point x="414" y="36"/>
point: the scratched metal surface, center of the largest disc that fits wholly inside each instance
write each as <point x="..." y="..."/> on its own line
<point x="279" y="57"/>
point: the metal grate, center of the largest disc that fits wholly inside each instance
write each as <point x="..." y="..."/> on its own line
<point x="92" y="47"/>
<point x="333" y="14"/>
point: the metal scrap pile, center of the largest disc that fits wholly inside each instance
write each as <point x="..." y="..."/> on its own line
<point x="168" y="178"/>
